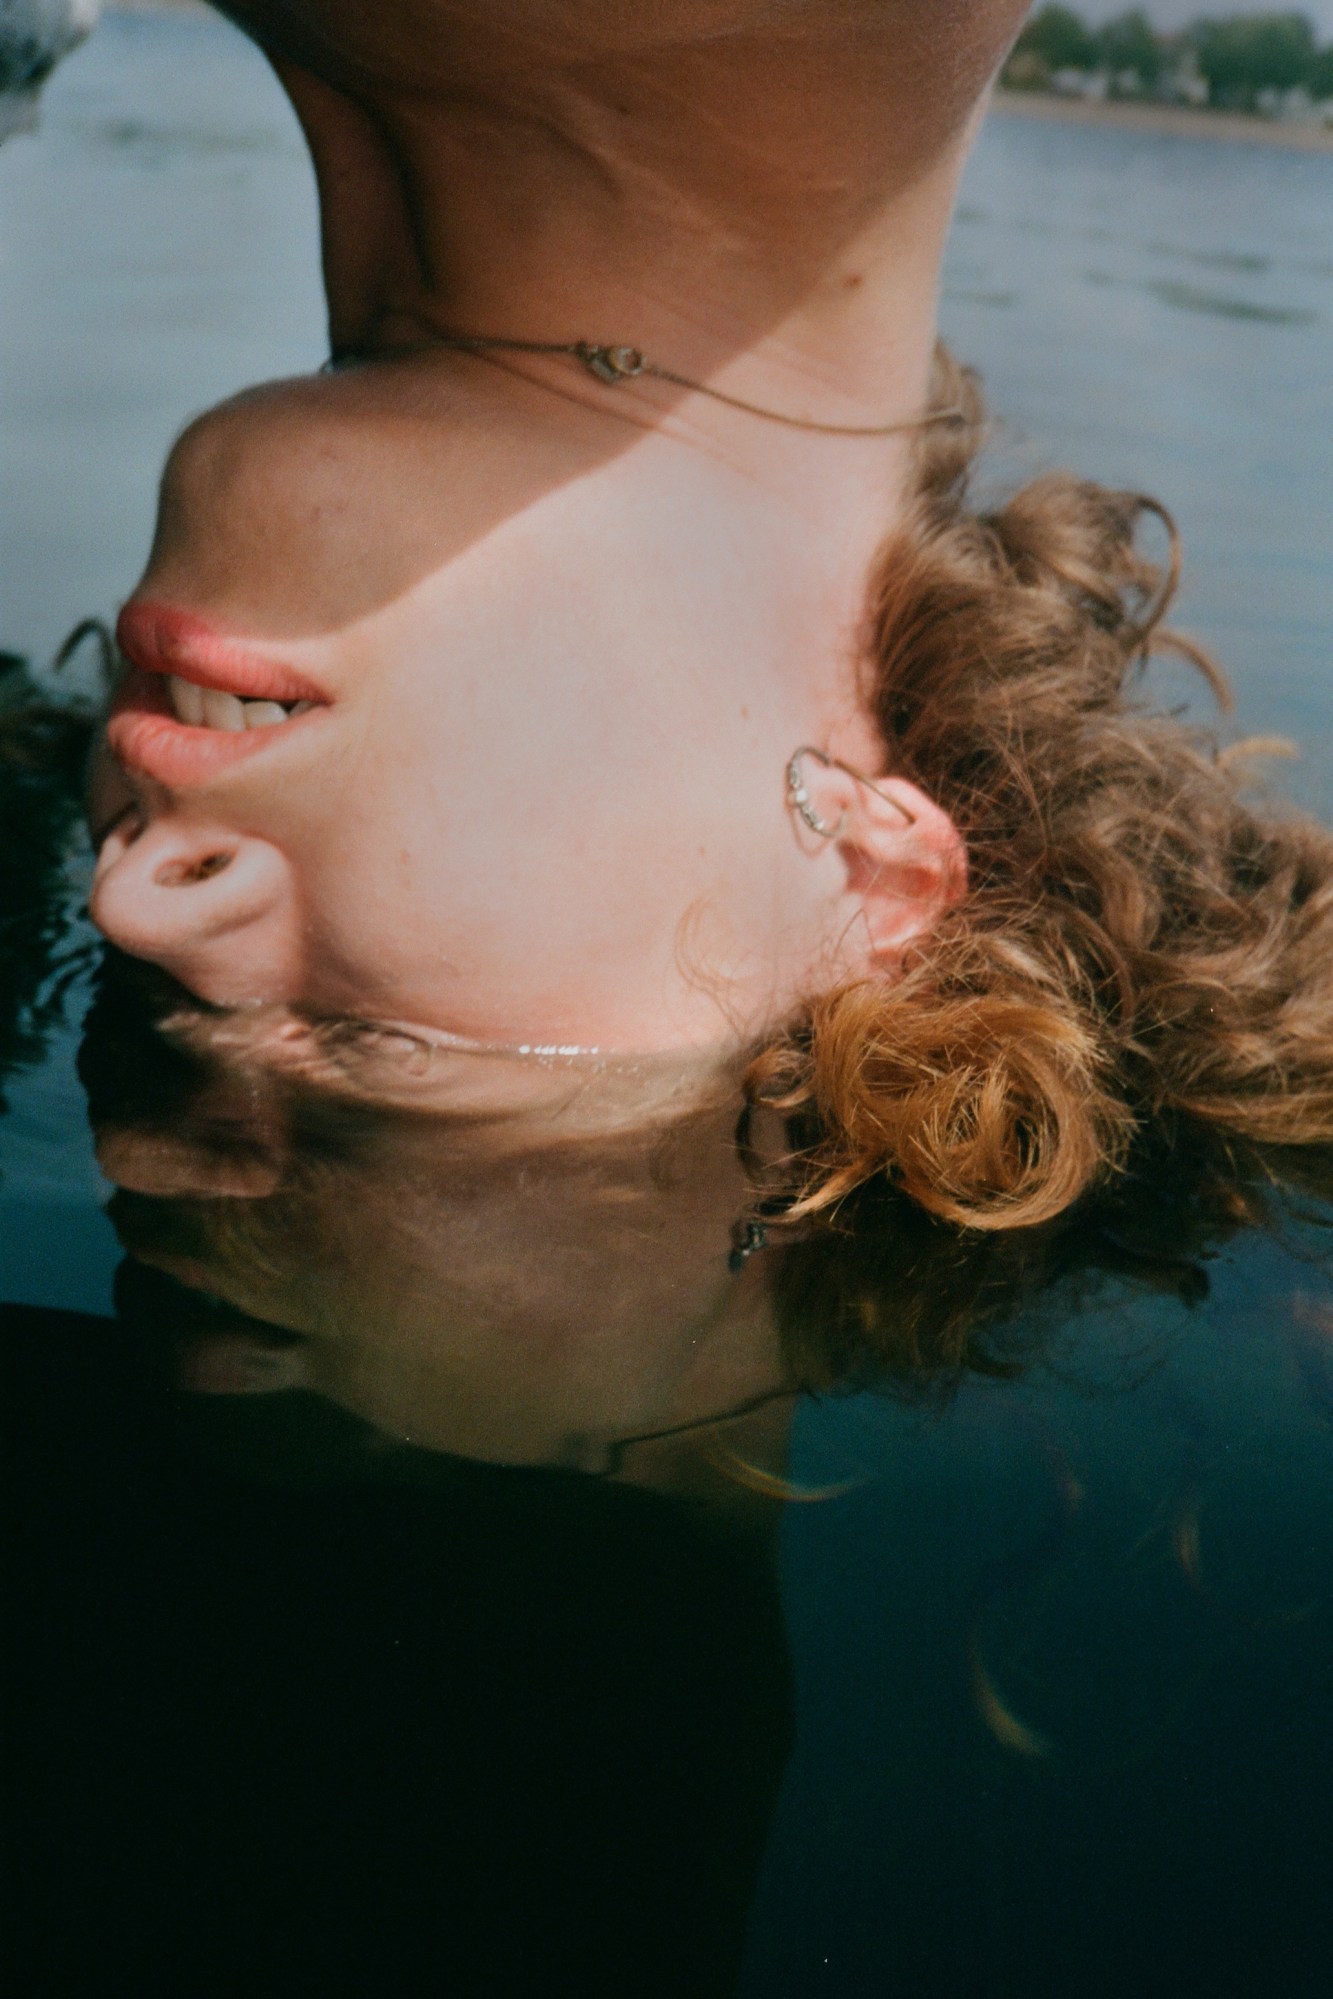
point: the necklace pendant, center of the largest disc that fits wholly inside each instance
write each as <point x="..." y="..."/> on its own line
<point x="610" y="364"/>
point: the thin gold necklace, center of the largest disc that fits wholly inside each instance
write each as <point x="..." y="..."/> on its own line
<point x="614" y="363"/>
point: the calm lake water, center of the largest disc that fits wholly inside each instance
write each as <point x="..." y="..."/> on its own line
<point x="1047" y="1673"/>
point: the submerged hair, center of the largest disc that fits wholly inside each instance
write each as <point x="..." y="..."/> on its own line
<point x="1137" y="942"/>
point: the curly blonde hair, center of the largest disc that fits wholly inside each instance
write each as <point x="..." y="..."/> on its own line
<point x="1136" y="941"/>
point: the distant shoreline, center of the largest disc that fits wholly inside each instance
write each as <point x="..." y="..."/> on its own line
<point x="1176" y="120"/>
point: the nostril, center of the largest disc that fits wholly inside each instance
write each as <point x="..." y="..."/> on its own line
<point x="179" y="874"/>
<point x="232" y="940"/>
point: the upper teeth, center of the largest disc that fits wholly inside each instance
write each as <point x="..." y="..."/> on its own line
<point x="211" y="708"/>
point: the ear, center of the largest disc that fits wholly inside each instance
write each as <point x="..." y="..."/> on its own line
<point x="905" y="859"/>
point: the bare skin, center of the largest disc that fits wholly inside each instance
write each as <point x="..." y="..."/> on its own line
<point x="566" y="636"/>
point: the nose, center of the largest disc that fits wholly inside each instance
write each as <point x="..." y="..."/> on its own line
<point x="214" y="908"/>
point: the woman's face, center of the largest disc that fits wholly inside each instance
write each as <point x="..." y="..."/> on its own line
<point x="525" y="778"/>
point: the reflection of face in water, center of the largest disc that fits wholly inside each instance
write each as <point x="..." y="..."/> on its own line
<point x="529" y="1266"/>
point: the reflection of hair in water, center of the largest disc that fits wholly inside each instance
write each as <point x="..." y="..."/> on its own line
<point x="886" y="1294"/>
<point x="1135" y="939"/>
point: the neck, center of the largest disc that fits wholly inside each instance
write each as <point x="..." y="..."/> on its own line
<point x="757" y="201"/>
<point x="840" y="333"/>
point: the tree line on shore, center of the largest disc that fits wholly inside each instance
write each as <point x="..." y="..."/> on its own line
<point x="1244" y="62"/>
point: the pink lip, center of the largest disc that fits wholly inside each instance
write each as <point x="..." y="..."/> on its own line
<point x="143" y="732"/>
<point x="161" y="639"/>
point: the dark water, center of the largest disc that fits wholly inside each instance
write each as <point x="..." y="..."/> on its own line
<point x="469" y="1604"/>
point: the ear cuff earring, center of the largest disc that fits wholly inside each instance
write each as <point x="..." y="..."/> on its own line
<point x="798" y="797"/>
